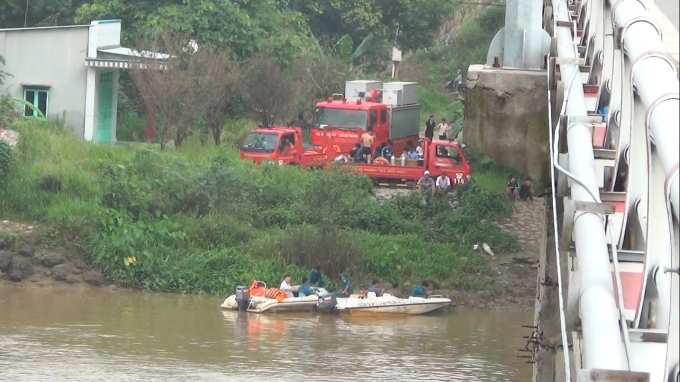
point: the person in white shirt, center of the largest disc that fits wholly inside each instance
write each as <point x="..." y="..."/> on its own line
<point x="443" y="183"/>
<point x="443" y="127"/>
<point x="419" y="149"/>
<point x="285" y="286"/>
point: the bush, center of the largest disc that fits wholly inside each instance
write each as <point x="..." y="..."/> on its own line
<point x="205" y="221"/>
<point x="479" y="203"/>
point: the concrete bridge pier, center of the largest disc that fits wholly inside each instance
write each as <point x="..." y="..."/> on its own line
<point x="506" y="105"/>
<point x="506" y="114"/>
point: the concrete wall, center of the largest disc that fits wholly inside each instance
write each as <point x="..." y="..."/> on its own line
<point x="506" y="118"/>
<point x="54" y="57"/>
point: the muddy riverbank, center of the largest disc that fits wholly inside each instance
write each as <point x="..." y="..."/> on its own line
<point x="27" y="262"/>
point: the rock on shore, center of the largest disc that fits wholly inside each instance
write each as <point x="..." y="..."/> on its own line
<point x="26" y="264"/>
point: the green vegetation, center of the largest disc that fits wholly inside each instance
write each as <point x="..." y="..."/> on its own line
<point x="204" y="221"/>
<point x="470" y="45"/>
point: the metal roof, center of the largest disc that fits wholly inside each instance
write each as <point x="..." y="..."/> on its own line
<point x="42" y="28"/>
<point x="122" y="51"/>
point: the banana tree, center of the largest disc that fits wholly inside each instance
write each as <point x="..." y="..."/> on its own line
<point x="11" y="110"/>
<point x="457" y="108"/>
<point x="344" y="50"/>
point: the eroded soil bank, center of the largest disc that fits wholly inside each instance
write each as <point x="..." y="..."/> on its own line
<point x="27" y="262"/>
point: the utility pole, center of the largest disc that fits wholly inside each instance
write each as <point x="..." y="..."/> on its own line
<point x="26" y="14"/>
<point x="396" y="57"/>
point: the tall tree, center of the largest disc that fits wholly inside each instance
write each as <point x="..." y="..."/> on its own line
<point x="243" y="27"/>
<point x="180" y="86"/>
<point x="223" y="98"/>
<point x="31" y="13"/>
<point x="270" y="91"/>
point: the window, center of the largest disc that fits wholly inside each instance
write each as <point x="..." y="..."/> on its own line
<point x="339" y="118"/>
<point x="260" y="142"/>
<point x="383" y="116"/>
<point x="287" y="142"/>
<point x="448" y="156"/>
<point x="39" y="98"/>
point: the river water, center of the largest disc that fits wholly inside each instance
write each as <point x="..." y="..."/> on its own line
<point x="92" y="335"/>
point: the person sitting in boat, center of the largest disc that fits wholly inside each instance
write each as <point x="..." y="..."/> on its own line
<point x="375" y="288"/>
<point x="394" y="291"/>
<point x="346" y="288"/>
<point x="304" y="290"/>
<point x="285" y="286"/>
<point x="421" y="291"/>
<point x="315" y="277"/>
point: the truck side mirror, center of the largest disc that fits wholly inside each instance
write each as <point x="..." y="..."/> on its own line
<point x="374" y="117"/>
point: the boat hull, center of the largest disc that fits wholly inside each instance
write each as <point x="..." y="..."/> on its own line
<point x="270" y="305"/>
<point x="295" y="304"/>
<point x="391" y="305"/>
<point x="396" y="310"/>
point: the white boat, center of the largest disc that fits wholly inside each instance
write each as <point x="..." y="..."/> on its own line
<point x="261" y="304"/>
<point x="388" y="304"/>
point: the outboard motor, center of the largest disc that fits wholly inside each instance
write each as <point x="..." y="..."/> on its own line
<point x="327" y="302"/>
<point x="242" y="297"/>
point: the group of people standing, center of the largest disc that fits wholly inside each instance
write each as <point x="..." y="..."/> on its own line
<point x="444" y="128"/>
<point x="316" y="279"/>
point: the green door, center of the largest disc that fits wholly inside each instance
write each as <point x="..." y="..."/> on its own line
<point x="105" y="110"/>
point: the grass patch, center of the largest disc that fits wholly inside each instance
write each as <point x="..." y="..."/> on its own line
<point x="204" y="221"/>
<point x="10" y="239"/>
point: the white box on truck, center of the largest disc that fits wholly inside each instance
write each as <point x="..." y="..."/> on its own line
<point x="392" y="97"/>
<point x="409" y="91"/>
<point x="360" y="89"/>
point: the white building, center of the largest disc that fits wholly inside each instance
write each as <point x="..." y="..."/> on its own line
<point x="70" y="73"/>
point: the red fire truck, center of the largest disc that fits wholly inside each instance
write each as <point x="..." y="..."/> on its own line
<point x="283" y="146"/>
<point x="390" y="111"/>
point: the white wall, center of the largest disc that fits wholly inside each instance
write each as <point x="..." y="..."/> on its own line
<point x="54" y="57"/>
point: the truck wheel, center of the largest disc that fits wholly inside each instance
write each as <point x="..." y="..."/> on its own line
<point x="376" y="182"/>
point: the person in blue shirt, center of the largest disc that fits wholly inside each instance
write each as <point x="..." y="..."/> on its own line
<point x="412" y="154"/>
<point x="388" y="151"/>
<point x="346" y="288"/>
<point x="315" y="277"/>
<point x="420" y="290"/>
<point x="304" y="290"/>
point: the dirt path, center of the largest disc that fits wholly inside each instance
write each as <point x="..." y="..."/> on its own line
<point x="515" y="284"/>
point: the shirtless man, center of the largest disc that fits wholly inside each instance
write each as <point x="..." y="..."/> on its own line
<point x="367" y="145"/>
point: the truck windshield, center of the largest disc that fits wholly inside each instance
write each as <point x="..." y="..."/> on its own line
<point x="339" y="117"/>
<point x="261" y="142"/>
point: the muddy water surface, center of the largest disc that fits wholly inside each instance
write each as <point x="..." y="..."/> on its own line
<point x="65" y="335"/>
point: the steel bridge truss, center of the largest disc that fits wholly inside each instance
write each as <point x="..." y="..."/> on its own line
<point x="614" y="152"/>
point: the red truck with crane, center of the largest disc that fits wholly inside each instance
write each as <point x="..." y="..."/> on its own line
<point x="284" y="146"/>
<point x="390" y="111"/>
